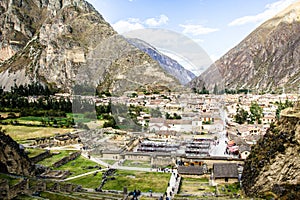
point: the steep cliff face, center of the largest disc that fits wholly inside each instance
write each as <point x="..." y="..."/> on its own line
<point x="267" y="60"/>
<point x="12" y="158"/>
<point x="273" y="167"/>
<point x="55" y="42"/>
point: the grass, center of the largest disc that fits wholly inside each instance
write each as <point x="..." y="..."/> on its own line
<point x="89" y="181"/>
<point x="143" y="181"/>
<point x="195" y="186"/>
<point x="110" y="162"/>
<point x="132" y="163"/>
<point x="11" y="180"/>
<point x="57" y="196"/>
<point x="229" y="189"/>
<point x="32" y="152"/>
<point x="78" y="117"/>
<point x="25" y="132"/>
<point x="25" y="197"/>
<point x="79" y="166"/>
<point x="51" y="160"/>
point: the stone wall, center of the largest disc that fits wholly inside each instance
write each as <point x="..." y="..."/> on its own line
<point x="41" y="156"/>
<point x="67" y="159"/>
<point x="30" y="186"/>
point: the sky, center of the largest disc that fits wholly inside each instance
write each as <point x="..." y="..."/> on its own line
<point x="215" y="25"/>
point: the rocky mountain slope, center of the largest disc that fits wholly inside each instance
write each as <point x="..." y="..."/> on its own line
<point x="64" y="43"/>
<point x="273" y="167"/>
<point x="13" y="159"/>
<point x="168" y="64"/>
<point x="267" y="60"/>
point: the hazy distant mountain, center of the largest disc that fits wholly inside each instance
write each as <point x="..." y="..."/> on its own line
<point x="170" y="65"/>
<point x="267" y="60"/>
<point x="63" y="43"/>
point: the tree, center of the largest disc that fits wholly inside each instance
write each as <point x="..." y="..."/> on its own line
<point x="111" y="123"/>
<point x="204" y="90"/>
<point x="241" y="115"/>
<point x="155" y="113"/>
<point x="282" y="106"/>
<point x="216" y="89"/>
<point x="255" y="113"/>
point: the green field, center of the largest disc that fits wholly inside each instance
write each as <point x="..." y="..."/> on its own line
<point x="51" y="160"/>
<point x="27" y="132"/>
<point x="32" y="152"/>
<point x="79" y="166"/>
<point x="142" y="164"/>
<point x="229" y="189"/>
<point x="143" y="181"/>
<point x="89" y="181"/>
<point x="195" y="186"/>
<point x="78" y="117"/>
<point x="110" y="162"/>
<point x="11" y="180"/>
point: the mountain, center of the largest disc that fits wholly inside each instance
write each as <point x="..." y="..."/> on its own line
<point x="267" y="60"/>
<point x="67" y="43"/>
<point x="171" y="66"/>
<point x="272" y="170"/>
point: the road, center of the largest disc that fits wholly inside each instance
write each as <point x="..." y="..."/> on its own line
<point x="173" y="184"/>
<point x="219" y="149"/>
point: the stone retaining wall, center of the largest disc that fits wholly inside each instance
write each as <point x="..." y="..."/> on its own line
<point x="67" y="159"/>
<point x="41" y="156"/>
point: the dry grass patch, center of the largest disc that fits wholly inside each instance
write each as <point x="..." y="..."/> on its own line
<point x="25" y="132"/>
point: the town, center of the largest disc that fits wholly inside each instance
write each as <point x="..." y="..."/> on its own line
<point x="194" y="138"/>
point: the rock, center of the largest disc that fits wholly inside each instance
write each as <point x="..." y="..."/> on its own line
<point x="67" y="43"/>
<point x="13" y="159"/>
<point x="273" y="167"/>
<point x="267" y="60"/>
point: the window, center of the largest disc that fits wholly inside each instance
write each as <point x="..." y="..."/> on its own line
<point x="226" y="179"/>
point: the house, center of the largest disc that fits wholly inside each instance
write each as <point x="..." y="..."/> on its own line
<point x="225" y="172"/>
<point x="191" y="170"/>
<point x="268" y="119"/>
<point x="244" y="151"/>
<point x="179" y="125"/>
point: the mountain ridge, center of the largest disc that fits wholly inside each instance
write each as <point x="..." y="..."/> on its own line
<point x="167" y="63"/>
<point x="65" y="43"/>
<point x="267" y="60"/>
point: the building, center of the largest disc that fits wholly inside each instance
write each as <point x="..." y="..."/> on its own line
<point x="225" y="172"/>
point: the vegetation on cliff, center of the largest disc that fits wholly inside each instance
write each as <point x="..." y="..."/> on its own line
<point x="272" y="168"/>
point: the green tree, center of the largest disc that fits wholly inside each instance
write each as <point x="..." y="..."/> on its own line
<point x="241" y="115"/>
<point x="216" y="91"/>
<point x="255" y="113"/>
<point x="155" y="113"/>
<point x="281" y="106"/>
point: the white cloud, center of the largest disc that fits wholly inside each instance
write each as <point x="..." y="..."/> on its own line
<point x="197" y="29"/>
<point x="131" y="24"/>
<point x="163" y="19"/>
<point x="270" y="10"/>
